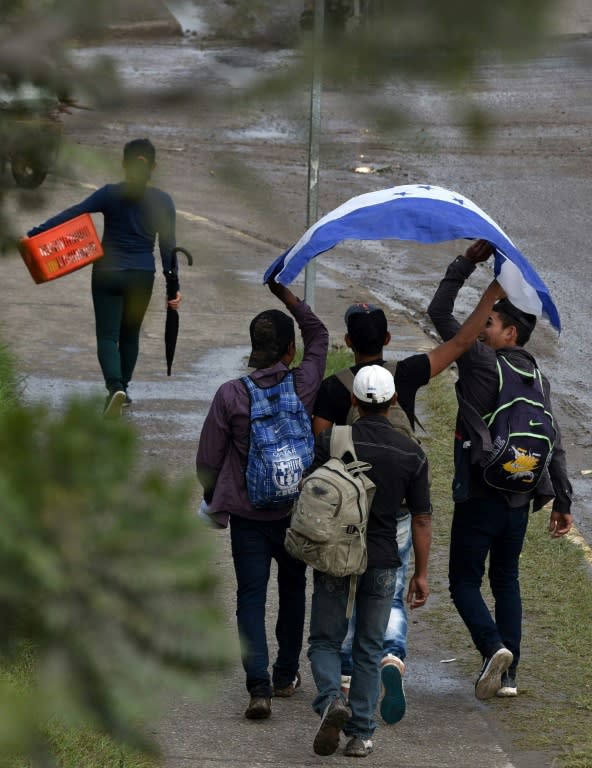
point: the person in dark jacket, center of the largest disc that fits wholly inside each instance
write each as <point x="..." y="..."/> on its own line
<point x="122" y="280"/>
<point x="399" y="470"/>
<point x="486" y="521"/>
<point x="257" y="534"/>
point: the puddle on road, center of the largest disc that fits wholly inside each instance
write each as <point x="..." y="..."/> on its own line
<point x="195" y="386"/>
<point x="269" y="129"/>
<point x="435" y="678"/>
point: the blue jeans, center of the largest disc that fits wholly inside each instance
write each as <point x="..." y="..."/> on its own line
<point x="254" y="544"/>
<point x="395" y="637"/>
<point x="328" y="627"/>
<point x="482" y="527"/>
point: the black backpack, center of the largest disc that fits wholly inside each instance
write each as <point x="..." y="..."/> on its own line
<point x="521" y="429"/>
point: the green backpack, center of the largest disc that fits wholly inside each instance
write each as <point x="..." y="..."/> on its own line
<point x="328" y="526"/>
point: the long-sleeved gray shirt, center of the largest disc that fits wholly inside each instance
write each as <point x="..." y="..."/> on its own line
<point x="477" y="386"/>
<point x="224" y="441"/>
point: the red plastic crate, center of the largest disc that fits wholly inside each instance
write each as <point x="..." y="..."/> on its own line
<point x="62" y="249"/>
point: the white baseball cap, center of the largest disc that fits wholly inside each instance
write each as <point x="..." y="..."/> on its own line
<point x="374" y="384"/>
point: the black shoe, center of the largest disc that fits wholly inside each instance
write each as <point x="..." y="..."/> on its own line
<point x="357" y="747"/>
<point x="259" y="708"/>
<point x="113" y="404"/>
<point x="509" y="687"/>
<point x="288" y="690"/>
<point x="127" y="402"/>
<point x="489" y="681"/>
<point x="334" y="718"/>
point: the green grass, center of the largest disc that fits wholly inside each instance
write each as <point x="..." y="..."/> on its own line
<point x="9" y="381"/>
<point x="553" y="710"/>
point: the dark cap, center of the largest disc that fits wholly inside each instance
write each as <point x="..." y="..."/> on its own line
<point x="271" y="332"/>
<point x="526" y="320"/>
<point x="360" y="309"/>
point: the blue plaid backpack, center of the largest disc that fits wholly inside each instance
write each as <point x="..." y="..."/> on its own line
<point x="281" y="445"/>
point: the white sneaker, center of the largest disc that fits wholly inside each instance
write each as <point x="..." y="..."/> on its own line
<point x="509" y="687"/>
<point x="392" y="702"/>
<point x="114" y="405"/>
<point x="489" y="681"/>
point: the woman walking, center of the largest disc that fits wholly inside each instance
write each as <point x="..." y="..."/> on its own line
<point x="122" y="281"/>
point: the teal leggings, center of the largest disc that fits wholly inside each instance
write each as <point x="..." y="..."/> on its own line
<point x="120" y="299"/>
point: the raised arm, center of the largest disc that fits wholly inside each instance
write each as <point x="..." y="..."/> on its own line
<point x="459" y="338"/>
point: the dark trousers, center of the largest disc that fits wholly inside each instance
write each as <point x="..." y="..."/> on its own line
<point x="482" y="527"/>
<point x="120" y="299"/>
<point x="254" y="545"/>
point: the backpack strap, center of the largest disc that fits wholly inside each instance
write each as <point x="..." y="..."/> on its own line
<point x="351" y="596"/>
<point x="346" y="377"/>
<point x="342" y="442"/>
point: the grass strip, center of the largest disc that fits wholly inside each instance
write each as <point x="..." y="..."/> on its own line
<point x="553" y="710"/>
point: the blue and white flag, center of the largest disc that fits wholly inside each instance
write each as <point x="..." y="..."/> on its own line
<point x="426" y="214"/>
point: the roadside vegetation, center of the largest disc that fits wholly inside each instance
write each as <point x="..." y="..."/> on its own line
<point x="107" y="586"/>
<point x="553" y="711"/>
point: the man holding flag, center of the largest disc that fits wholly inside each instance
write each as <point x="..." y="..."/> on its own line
<point x="487" y="521"/>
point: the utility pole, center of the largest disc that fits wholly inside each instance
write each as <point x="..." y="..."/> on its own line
<point x="314" y="142"/>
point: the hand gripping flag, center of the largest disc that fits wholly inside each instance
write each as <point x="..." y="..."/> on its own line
<point x="426" y="214"/>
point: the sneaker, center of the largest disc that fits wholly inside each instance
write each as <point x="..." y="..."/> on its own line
<point x="259" y="708"/>
<point x="489" y="681"/>
<point x="335" y="716"/>
<point x="345" y="686"/>
<point x="288" y="690"/>
<point x="113" y="404"/>
<point x="392" y="704"/>
<point x="509" y="687"/>
<point x="127" y="402"/>
<point x="357" y="747"/>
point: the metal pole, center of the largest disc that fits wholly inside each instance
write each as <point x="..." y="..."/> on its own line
<point x="314" y="142"/>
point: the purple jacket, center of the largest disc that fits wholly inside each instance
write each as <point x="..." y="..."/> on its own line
<point x="224" y="440"/>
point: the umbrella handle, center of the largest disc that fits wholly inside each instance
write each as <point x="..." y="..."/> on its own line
<point x="185" y="252"/>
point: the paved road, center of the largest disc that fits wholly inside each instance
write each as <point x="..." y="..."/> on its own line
<point x="532" y="176"/>
<point x="234" y="237"/>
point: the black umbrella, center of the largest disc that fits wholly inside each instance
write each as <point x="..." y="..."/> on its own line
<point x="171" y="328"/>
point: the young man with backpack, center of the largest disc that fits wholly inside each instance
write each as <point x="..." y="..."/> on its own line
<point x="399" y="470"/>
<point x="367" y="335"/>
<point x="488" y="520"/>
<point x="250" y="480"/>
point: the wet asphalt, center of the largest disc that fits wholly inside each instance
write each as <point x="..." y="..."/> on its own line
<point x="234" y="237"/>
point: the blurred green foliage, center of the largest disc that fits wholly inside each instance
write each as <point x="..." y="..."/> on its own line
<point x="107" y="581"/>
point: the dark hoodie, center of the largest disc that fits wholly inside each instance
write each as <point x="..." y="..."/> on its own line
<point x="477" y="392"/>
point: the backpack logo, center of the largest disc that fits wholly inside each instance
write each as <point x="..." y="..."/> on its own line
<point x="523" y="465"/>
<point x="287" y="468"/>
<point x="281" y="443"/>
<point x="522" y="430"/>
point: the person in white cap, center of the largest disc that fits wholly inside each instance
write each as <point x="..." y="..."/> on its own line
<point x="399" y="471"/>
<point x="367" y="334"/>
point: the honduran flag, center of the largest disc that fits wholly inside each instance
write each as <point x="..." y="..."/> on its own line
<point x="426" y="214"/>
